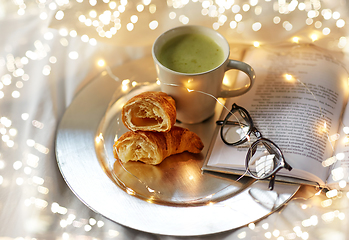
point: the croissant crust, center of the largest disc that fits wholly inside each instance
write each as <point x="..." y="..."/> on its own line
<point x="154" y="147"/>
<point x="150" y="111"/>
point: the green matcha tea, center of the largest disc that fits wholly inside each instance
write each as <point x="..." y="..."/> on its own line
<point x="191" y="53"/>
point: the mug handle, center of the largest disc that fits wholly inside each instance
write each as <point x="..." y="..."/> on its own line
<point x="234" y="64"/>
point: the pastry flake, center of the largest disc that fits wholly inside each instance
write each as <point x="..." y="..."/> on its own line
<point x="150" y="111"/>
<point x="154" y="147"/>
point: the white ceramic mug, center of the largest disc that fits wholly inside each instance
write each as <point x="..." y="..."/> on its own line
<point x="187" y="88"/>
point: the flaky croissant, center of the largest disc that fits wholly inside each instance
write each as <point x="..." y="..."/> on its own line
<point x="154" y="147"/>
<point x="150" y="111"/>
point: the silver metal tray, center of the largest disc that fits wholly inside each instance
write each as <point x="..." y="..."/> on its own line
<point x="173" y="198"/>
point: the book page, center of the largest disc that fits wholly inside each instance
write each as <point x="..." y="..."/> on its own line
<point x="296" y="102"/>
<point x="339" y="162"/>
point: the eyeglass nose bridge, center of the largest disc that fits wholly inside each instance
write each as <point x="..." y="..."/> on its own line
<point x="255" y="131"/>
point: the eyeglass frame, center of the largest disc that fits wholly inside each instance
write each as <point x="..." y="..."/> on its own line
<point x="252" y="129"/>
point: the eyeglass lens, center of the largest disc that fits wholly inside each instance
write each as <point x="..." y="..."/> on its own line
<point x="236" y="127"/>
<point x="263" y="158"/>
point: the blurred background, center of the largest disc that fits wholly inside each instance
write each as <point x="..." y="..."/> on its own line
<point x="50" y="50"/>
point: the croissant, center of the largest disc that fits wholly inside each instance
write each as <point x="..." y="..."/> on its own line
<point x="154" y="147"/>
<point x="149" y="111"/>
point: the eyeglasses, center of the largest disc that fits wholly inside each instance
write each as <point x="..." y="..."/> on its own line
<point x="264" y="158"/>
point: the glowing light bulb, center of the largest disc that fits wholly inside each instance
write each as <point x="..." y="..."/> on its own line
<point x="334" y="137"/>
<point x="342" y="184"/>
<point x="288" y="77"/>
<point x="324" y="128"/>
<point x="124" y="88"/>
<point x="332" y="193"/>
<point x="304" y="206"/>
<point x="314" y="37"/>
<point x="92" y="13"/>
<point x="346" y="130"/>
<point x="101" y="63"/>
<point x="346" y="140"/>
<point x="125" y="82"/>
<point x="252" y="226"/>
<point x="256" y="44"/>
<point x="329" y="161"/>
<point x="340" y="156"/>
<point x="295" y="39"/>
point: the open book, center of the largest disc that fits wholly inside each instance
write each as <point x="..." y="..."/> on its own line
<point x="298" y="101"/>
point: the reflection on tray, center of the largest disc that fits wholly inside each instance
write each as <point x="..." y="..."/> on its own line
<point x="178" y="180"/>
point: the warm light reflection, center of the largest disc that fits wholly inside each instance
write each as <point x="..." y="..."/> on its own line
<point x="329" y="161"/>
<point x="342" y="184"/>
<point x="125" y="81"/>
<point x="100" y="223"/>
<point x="56" y="208"/>
<point x="265" y="226"/>
<point x="130" y="191"/>
<point x="101" y="63"/>
<point x="226" y="81"/>
<point x="337" y="174"/>
<point x="41" y="148"/>
<point x="43" y="190"/>
<point x="346" y="130"/>
<point x="334" y="137"/>
<point x="107" y="24"/>
<point x="268" y="235"/>
<point x="340" y="156"/>
<point x="332" y="193"/>
<point x="314" y="37"/>
<point x="99" y="138"/>
<point x="252" y="226"/>
<point x="312" y="221"/>
<point x="242" y="235"/>
<point x="125" y="85"/>
<point x="149" y="199"/>
<point x="326" y="203"/>
<point x="324" y="128"/>
<point x="295" y="39"/>
<point x="328" y="217"/>
<point x="318" y="192"/>
<point x="288" y="77"/>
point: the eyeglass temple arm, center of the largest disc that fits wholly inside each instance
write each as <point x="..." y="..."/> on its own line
<point x="272" y="182"/>
<point x="220" y="122"/>
<point x="287" y="166"/>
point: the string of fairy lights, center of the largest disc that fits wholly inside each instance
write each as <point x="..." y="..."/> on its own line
<point x="106" y="19"/>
